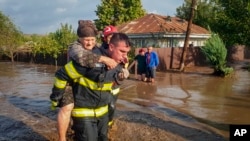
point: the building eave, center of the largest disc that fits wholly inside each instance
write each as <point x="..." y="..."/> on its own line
<point x="171" y="35"/>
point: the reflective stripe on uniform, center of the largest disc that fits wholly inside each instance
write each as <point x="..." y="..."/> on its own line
<point x="71" y="71"/>
<point x="86" y="112"/>
<point x="94" y="85"/>
<point x="110" y="123"/>
<point x="115" y="91"/>
<point x="60" y="83"/>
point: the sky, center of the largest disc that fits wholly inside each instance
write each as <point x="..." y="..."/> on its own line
<point x="44" y="16"/>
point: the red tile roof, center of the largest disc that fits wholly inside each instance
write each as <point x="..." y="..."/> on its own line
<point x="153" y="23"/>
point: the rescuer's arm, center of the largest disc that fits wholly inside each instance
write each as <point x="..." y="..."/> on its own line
<point x="68" y="73"/>
<point x="60" y="82"/>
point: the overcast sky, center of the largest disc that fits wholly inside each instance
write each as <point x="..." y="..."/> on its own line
<point x="44" y="16"/>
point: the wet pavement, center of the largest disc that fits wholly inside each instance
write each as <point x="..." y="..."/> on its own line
<point x="187" y="97"/>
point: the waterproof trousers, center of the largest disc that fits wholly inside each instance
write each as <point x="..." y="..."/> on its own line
<point x="91" y="129"/>
<point x="112" y="105"/>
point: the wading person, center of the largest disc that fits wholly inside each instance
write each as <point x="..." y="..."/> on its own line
<point x="92" y="90"/>
<point x="152" y="62"/>
<point x="80" y="52"/>
<point x="141" y="65"/>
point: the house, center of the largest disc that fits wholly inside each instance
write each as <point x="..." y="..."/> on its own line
<point x="162" y="31"/>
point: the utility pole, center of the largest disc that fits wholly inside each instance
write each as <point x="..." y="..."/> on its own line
<point x="184" y="52"/>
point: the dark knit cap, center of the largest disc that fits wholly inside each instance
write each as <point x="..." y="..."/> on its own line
<point x="86" y="28"/>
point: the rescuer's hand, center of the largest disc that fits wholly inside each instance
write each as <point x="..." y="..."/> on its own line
<point x="54" y="104"/>
<point x="125" y="73"/>
<point x="55" y="97"/>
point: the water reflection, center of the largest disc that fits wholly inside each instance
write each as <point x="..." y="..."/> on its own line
<point x="222" y="100"/>
<point x="204" y="97"/>
<point x="145" y="94"/>
<point x="26" y="80"/>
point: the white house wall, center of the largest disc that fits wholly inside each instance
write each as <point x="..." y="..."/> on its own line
<point x="167" y="42"/>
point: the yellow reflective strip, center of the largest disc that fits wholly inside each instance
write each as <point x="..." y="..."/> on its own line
<point x="115" y="91"/>
<point x="60" y="83"/>
<point x="94" y="85"/>
<point x="110" y="123"/>
<point x="71" y="71"/>
<point x="85" y="112"/>
<point x="101" y="111"/>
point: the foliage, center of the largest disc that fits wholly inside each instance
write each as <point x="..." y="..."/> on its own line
<point x="54" y="43"/>
<point x="216" y="53"/>
<point x="184" y="10"/>
<point x="229" y="18"/>
<point x="115" y="12"/>
<point x="205" y="12"/>
<point x="47" y="46"/>
<point x="64" y="36"/>
<point x="232" y="22"/>
<point x="131" y="54"/>
<point x="32" y="42"/>
<point x="10" y="37"/>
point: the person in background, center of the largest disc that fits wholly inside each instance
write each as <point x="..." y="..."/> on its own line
<point x="80" y="51"/>
<point x="92" y="90"/>
<point x="141" y="65"/>
<point x="107" y="34"/>
<point x="152" y="62"/>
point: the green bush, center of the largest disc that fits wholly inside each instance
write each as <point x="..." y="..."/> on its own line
<point x="216" y="53"/>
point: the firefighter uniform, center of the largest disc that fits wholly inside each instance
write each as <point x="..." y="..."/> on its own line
<point x="92" y="90"/>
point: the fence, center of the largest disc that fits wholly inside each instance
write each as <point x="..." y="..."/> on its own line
<point x="169" y="57"/>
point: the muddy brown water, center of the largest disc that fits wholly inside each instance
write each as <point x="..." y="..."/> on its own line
<point x="188" y="97"/>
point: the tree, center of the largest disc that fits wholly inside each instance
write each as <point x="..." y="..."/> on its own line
<point x="55" y="43"/>
<point x="61" y="40"/>
<point x="205" y="11"/>
<point x="115" y="12"/>
<point x="32" y="42"/>
<point x="216" y="53"/>
<point x="64" y="36"/>
<point x="228" y="18"/>
<point x="232" y="22"/>
<point x="190" y="22"/>
<point x="11" y="38"/>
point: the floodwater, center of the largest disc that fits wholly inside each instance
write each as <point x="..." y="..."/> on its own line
<point x="213" y="101"/>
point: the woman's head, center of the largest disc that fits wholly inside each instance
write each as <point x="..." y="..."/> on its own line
<point x="87" y="33"/>
<point x="141" y="51"/>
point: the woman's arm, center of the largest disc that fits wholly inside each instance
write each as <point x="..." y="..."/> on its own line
<point x="87" y="58"/>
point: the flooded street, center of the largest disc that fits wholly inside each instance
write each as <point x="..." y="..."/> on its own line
<point x="180" y="106"/>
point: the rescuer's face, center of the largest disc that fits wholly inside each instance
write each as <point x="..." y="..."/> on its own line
<point x="119" y="52"/>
